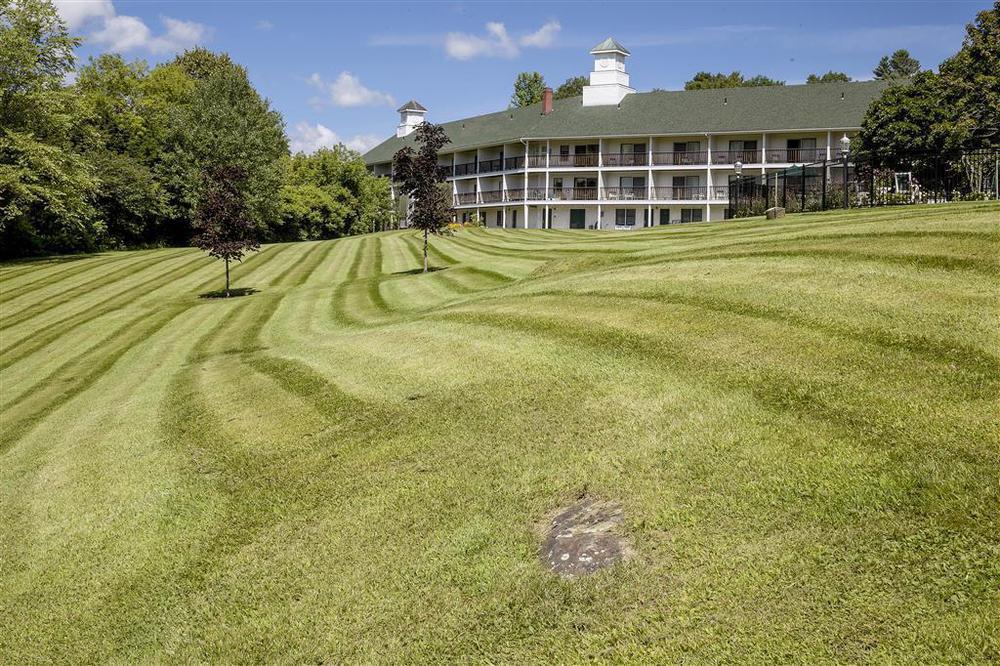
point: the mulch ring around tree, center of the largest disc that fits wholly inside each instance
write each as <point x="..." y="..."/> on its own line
<point x="233" y="293"/>
<point x="584" y="537"/>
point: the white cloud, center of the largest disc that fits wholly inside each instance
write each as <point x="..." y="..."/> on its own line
<point x="542" y="38"/>
<point x="78" y="12"/>
<point x="307" y="138"/>
<point x="264" y="25"/>
<point x="497" y="42"/>
<point x="127" y="33"/>
<point x="347" y="90"/>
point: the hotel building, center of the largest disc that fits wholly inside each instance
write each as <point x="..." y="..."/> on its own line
<point x="617" y="159"/>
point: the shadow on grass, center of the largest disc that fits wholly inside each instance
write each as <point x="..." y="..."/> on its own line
<point x="417" y="271"/>
<point x="233" y="293"/>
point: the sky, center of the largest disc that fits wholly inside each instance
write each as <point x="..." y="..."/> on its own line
<point x="337" y="71"/>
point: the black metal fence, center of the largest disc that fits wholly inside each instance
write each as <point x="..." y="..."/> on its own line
<point x="863" y="180"/>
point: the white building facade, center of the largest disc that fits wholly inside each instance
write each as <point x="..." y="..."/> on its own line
<point x="617" y="159"/>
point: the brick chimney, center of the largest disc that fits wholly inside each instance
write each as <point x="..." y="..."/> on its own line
<point x="547" y="102"/>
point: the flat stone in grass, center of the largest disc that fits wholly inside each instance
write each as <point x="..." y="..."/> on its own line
<point x="584" y="537"/>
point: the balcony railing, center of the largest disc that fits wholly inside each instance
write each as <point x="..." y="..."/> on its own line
<point x="584" y="160"/>
<point x="465" y="169"/>
<point x="796" y="155"/>
<point x="625" y="159"/>
<point x="573" y="194"/>
<point x="489" y="166"/>
<point x="734" y="156"/>
<point x="616" y="194"/>
<point x="691" y="193"/>
<point x="625" y="193"/>
<point x="681" y="158"/>
<point x="536" y="161"/>
<point x="513" y="163"/>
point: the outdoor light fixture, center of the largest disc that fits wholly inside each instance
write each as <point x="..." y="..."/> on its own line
<point x="739" y="168"/>
<point x="845" y="145"/>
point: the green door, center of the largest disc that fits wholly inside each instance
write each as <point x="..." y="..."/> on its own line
<point x="577" y="218"/>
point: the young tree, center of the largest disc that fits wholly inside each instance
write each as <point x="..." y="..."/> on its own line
<point x="419" y="176"/>
<point x="899" y="65"/>
<point x="571" y="87"/>
<point x="829" y="77"/>
<point x="225" y="229"/>
<point x="528" y="89"/>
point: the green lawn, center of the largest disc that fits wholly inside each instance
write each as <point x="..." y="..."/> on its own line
<point x="799" y="418"/>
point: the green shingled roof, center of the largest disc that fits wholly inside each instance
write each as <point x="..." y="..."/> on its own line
<point x="609" y="45"/>
<point x="763" y="109"/>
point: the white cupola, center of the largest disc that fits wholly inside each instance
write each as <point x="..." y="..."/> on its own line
<point x="411" y="114"/>
<point x="609" y="81"/>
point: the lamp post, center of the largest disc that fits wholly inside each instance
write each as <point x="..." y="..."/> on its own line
<point x="739" y="172"/>
<point x="845" y="149"/>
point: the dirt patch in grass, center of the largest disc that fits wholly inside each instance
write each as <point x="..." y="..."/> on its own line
<point x="584" y="537"/>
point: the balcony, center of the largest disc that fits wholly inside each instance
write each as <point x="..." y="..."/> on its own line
<point x="607" y="194"/>
<point x="585" y="160"/>
<point x="734" y="156"/>
<point x="510" y="163"/>
<point x="467" y="169"/>
<point x="796" y="155"/>
<point x="625" y="193"/>
<point x="625" y="159"/>
<point x="536" y="161"/>
<point x="491" y="166"/>
<point x="573" y="194"/>
<point x="691" y="193"/>
<point x="681" y="158"/>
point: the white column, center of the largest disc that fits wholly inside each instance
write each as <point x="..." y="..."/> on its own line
<point x="649" y="174"/>
<point x="708" y="169"/>
<point x="763" y="153"/>
<point x="527" y="145"/>
<point x="829" y="139"/>
<point x="600" y="181"/>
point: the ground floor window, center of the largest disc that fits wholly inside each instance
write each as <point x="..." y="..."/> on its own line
<point x="691" y="214"/>
<point x="664" y="216"/>
<point x="513" y="223"/>
<point x="499" y="218"/>
<point x="625" y="217"/>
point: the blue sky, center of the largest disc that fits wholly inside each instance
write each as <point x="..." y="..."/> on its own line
<point x="337" y="71"/>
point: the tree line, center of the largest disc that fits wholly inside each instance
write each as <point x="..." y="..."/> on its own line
<point x="118" y="158"/>
<point x="530" y="86"/>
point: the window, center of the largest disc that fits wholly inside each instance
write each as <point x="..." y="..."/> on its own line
<point x="499" y="218"/>
<point x="564" y="151"/>
<point x="743" y="151"/>
<point x="801" y="150"/>
<point x="664" y="216"/>
<point x="691" y="214"/>
<point x="514" y="222"/>
<point x="685" y="187"/>
<point x="687" y="152"/>
<point x="625" y="217"/>
<point x="645" y="217"/>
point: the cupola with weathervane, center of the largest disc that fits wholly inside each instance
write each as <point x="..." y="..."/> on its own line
<point x="411" y="114"/>
<point x="609" y="82"/>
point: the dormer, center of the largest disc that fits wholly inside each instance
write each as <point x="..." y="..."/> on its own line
<point x="411" y="114"/>
<point x="609" y="80"/>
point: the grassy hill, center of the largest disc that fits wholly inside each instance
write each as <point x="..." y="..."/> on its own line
<point x="799" y="419"/>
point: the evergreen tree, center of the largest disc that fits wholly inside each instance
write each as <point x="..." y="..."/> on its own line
<point x="899" y="65"/>
<point x="829" y="77"/>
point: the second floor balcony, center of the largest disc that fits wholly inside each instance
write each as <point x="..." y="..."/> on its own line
<point x="610" y="195"/>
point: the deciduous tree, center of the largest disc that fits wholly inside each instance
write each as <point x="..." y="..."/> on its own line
<point x="708" y="80"/>
<point x="571" y="87"/>
<point x="829" y="77"/>
<point x="224" y="226"/>
<point x="529" y="87"/>
<point x="420" y="177"/>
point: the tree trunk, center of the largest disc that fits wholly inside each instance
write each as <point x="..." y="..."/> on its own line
<point x="425" y="250"/>
<point x="227" y="277"/>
